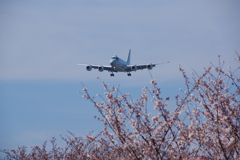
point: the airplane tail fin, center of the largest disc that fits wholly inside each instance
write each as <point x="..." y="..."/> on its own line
<point x="129" y="56"/>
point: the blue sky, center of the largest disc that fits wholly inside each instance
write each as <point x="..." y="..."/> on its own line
<point x="42" y="41"/>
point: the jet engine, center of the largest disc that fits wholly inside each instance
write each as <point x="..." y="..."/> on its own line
<point x="134" y="68"/>
<point x="101" y="68"/>
<point x="89" y="68"/>
<point x="150" y="66"/>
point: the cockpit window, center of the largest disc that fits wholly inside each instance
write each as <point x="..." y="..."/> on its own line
<point x="114" y="57"/>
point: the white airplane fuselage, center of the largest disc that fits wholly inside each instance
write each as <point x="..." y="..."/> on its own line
<point x="118" y="64"/>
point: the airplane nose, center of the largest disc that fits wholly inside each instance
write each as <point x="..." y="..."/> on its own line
<point x="111" y="62"/>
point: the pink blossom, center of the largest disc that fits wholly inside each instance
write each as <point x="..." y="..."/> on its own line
<point x="153" y="82"/>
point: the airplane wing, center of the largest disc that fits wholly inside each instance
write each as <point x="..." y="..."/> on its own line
<point x="99" y="67"/>
<point x="143" y="66"/>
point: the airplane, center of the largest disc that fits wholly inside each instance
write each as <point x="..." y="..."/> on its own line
<point x="119" y="65"/>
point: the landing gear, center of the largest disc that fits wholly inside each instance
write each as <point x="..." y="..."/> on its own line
<point x="112" y="75"/>
<point x="129" y="74"/>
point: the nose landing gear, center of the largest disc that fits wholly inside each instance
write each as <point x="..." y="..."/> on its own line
<point x="129" y="74"/>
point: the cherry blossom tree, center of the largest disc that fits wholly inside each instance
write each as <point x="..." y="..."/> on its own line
<point x="205" y="123"/>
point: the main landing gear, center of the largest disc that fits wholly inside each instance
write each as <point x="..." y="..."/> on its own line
<point x="112" y="75"/>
